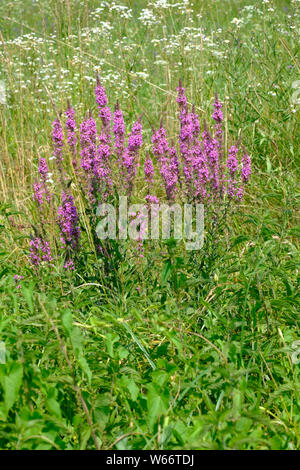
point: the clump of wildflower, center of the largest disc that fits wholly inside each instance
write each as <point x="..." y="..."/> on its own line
<point x="199" y="172"/>
<point x="203" y="166"/>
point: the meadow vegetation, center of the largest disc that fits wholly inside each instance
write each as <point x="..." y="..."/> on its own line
<point x="123" y="347"/>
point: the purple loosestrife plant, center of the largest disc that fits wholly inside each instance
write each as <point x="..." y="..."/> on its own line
<point x="198" y="170"/>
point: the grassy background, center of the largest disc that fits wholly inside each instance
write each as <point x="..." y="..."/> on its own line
<point x="200" y="355"/>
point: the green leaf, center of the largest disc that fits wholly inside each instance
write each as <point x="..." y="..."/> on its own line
<point x="85" y="367"/>
<point x="52" y="404"/>
<point x="77" y="341"/>
<point x="131" y="386"/>
<point x="110" y="340"/>
<point x="157" y="404"/>
<point x="28" y="295"/>
<point x="10" y="380"/>
<point x="67" y="321"/>
<point x="166" y="272"/>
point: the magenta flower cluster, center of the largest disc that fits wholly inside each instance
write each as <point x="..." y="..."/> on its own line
<point x="39" y="251"/>
<point x="68" y="222"/>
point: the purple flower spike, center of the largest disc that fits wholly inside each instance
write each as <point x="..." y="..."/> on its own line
<point x="58" y="139"/>
<point x="129" y="158"/>
<point x="38" y="192"/>
<point x="160" y="145"/>
<point x="88" y="134"/>
<point x="40" y="188"/>
<point x="217" y="114"/>
<point x="119" y="130"/>
<point x="181" y="98"/>
<point x="232" y="162"/>
<point x="43" y="169"/>
<point x="71" y="128"/>
<point x="149" y="170"/>
<point x="104" y="110"/>
<point x="135" y="139"/>
<point x="246" y="167"/>
<point x="68" y="222"/>
<point x="39" y="251"/>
